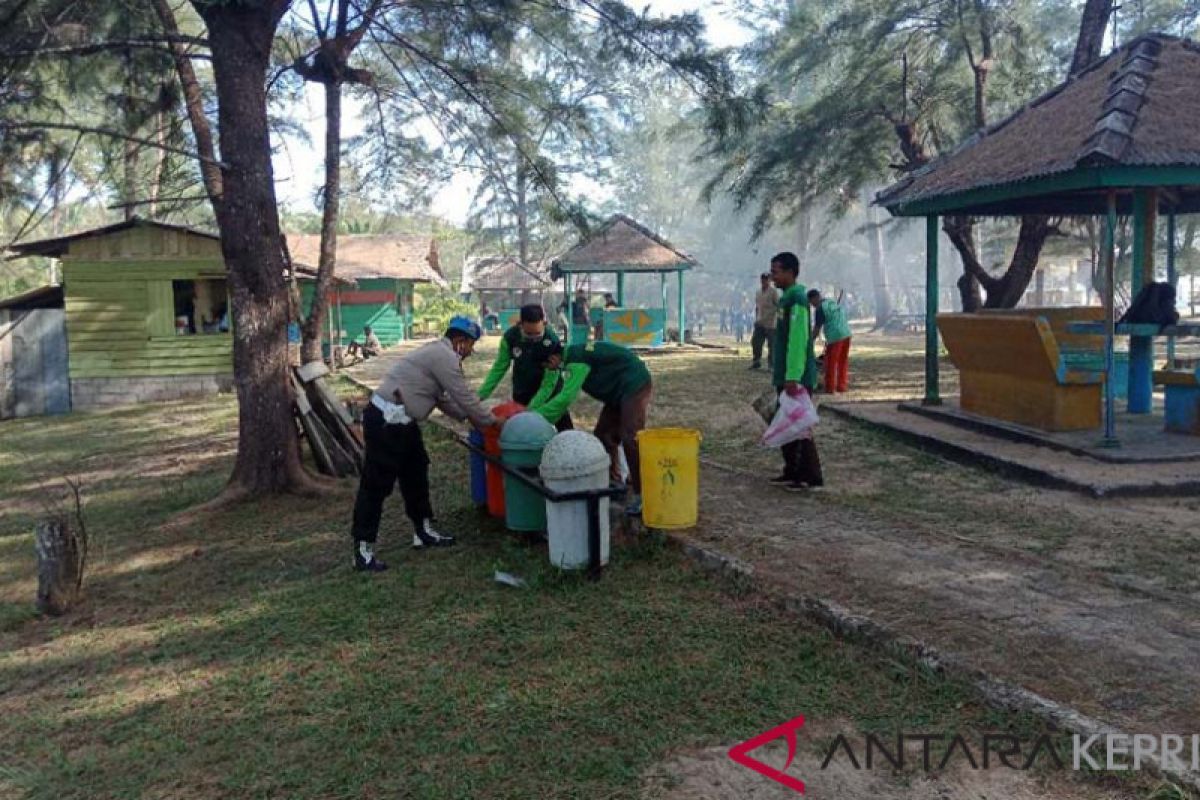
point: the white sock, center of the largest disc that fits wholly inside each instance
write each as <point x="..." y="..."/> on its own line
<point x="366" y="551"/>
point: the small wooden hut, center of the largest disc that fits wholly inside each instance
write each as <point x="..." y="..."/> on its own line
<point x="146" y="312"/>
<point x="378" y="273"/>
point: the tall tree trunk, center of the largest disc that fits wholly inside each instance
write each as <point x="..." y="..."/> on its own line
<point x="803" y="235"/>
<point x="160" y="163"/>
<point x="193" y="97"/>
<point x="961" y="232"/>
<point x="240" y="36"/>
<point x="879" y="276"/>
<point x="522" y="211"/>
<point x="131" y="149"/>
<point x="1092" y="27"/>
<point x="310" y="348"/>
<point x="54" y="179"/>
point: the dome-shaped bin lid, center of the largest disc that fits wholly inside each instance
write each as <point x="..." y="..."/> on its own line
<point x="573" y="454"/>
<point x="526" y="431"/>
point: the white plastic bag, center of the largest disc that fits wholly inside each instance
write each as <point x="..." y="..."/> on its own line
<point x="794" y="420"/>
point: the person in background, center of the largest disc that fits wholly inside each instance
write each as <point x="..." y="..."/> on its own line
<point x="524" y="346"/>
<point x="739" y="325"/>
<point x="371" y="344"/>
<point x="369" y="347"/>
<point x="795" y="369"/>
<point x="831" y="317"/>
<point x="616" y="377"/>
<point x="724" y="321"/>
<point x="766" y="309"/>
<point x="426" y="378"/>
<point x="609" y="300"/>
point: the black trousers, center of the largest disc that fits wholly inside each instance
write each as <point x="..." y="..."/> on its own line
<point x="564" y="422"/>
<point x="395" y="454"/>
<point x="801" y="462"/>
<point x="761" y="336"/>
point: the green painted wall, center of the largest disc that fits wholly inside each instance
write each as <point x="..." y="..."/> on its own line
<point x="120" y="320"/>
<point x="390" y="324"/>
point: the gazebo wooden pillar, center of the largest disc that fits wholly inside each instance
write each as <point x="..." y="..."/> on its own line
<point x="1111" y="141"/>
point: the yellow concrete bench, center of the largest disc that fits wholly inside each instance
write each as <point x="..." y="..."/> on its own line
<point x="1011" y="368"/>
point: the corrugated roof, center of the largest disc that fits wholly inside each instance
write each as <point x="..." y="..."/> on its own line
<point x="1135" y="107"/>
<point x="57" y="246"/>
<point x="498" y="273"/>
<point x="365" y="256"/>
<point x="41" y="297"/>
<point x="621" y="243"/>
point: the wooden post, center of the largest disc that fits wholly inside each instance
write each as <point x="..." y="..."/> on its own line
<point x="663" y="280"/>
<point x="932" y="396"/>
<point x="570" y="337"/>
<point x="59" y="566"/>
<point x="1110" y="328"/>
<point x="682" y="311"/>
<point x="1173" y="279"/>
<point x="1141" y="348"/>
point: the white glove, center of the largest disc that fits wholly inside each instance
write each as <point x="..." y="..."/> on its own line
<point x="395" y="416"/>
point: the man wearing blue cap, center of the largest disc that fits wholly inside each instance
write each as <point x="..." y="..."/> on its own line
<point x="427" y="378"/>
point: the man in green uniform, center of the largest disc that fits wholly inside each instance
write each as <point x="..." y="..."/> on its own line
<point x="616" y="377"/>
<point x="524" y="346"/>
<point x="795" y="368"/>
<point x="831" y="318"/>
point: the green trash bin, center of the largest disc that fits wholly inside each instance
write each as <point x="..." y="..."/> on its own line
<point x="521" y="444"/>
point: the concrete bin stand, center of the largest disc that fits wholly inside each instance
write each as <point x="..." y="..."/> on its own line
<point x="574" y="461"/>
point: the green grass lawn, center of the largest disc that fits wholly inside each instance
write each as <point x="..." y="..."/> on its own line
<point x="236" y="655"/>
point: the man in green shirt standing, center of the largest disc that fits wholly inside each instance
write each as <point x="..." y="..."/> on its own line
<point x="524" y="346"/>
<point x="831" y="317"/>
<point x="616" y="377"/>
<point x="795" y="369"/>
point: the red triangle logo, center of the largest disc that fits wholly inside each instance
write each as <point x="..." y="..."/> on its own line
<point x="741" y="753"/>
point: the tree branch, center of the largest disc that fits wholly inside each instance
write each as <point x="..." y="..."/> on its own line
<point x="111" y="134"/>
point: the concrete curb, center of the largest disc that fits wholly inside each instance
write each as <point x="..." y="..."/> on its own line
<point x="845" y="623"/>
<point x="972" y="456"/>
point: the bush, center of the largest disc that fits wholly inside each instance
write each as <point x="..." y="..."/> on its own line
<point x="438" y="306"/>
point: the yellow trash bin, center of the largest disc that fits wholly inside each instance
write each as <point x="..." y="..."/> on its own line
<point x="670" y="461"/>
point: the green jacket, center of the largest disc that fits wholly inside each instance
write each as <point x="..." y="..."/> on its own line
<point x="793" y="350"/>
<point x="836" y="327"/>
<point x="527" y="359"/>
<point x="608" y="372"/>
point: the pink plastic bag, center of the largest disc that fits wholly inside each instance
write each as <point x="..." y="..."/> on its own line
<point x="794" y="420"/>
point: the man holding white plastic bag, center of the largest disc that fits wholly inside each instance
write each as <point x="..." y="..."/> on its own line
<point x="795" y="374"/>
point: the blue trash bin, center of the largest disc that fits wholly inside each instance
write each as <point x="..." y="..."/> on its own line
<point x="478" y="470"/>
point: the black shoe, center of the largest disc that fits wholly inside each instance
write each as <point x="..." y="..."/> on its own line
<point x="797" y="486"/>
<point x="365" y="560"/>
<point x="426" y="536"/>
<point x="781" y="480"/>
<point x="756" y="366"/>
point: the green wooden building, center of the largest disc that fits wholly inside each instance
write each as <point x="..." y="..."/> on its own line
<point x="377" y="277"/>
<point x="147" y="312"/>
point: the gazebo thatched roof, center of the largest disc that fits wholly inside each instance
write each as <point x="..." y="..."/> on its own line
<point x="505" y="273"/>
<point x="1128" y="120"/>
<point x="623" y="245"/>
<point x="366" y="256"/>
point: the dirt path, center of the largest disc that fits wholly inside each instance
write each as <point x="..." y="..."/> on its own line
<point x="1053" y="627"/>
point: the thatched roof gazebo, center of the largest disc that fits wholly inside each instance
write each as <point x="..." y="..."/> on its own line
<point x="623" y="246"/>
<point x="1120" y="138"/>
